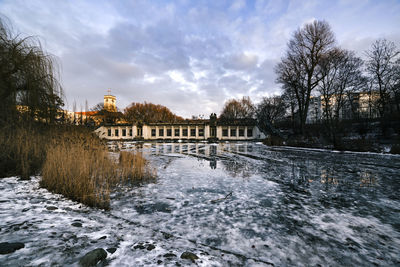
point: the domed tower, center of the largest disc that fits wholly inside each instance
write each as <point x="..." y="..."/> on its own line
<point x="110" y="102"/>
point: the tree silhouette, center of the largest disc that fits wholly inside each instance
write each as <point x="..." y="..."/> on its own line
<point x="29" y="88"/>
<point x="299" y="69"/>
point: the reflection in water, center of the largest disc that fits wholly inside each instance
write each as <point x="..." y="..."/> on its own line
<point x="240" y="163"/>
<point x="367" y="179"/>
<point x="328" y="176"/>
<point x="316" y="207"/>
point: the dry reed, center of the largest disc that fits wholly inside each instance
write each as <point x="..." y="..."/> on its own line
<point x="23" y="151"/>
<point x="78" y="166"/>
<point x="72" y="160"/>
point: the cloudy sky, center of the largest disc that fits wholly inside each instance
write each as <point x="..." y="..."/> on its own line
<point x="190" y="56"/>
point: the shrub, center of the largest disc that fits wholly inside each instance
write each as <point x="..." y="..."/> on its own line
<point x="273" y="141"/>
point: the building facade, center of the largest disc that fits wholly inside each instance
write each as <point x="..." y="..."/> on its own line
<point x="110" y="102"/>
<point x="354" y="106"/>
<point x="193" y="130"/>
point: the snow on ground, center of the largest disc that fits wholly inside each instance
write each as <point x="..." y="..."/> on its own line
<point x="232" y="204"/>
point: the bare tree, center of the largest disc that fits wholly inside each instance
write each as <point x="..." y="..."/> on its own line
<point x="341" y="73"/>
<point x="271" y="109"/>
<point x="382" y="67"/>
<point x="299" y="69"/>
<point x="238" y="109"/>
<point x="289" y="97"/>
<point x="395" y="87"/>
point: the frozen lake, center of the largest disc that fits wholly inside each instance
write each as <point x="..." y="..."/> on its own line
<point x="229" y="203"/>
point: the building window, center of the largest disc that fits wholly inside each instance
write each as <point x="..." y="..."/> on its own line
<point x="241" y="132"/>
<point x="116" y="132"/>
<point x="184" y="132"/>
<point x="224" y="132"/>
<point x="201" y="131"/>
<point x="123" y="132"/>
<point x="153" y="132"/>
<point x="192" y="132"/>
<point x="160" y="132"/>
<point x="176" y="132"/>
<point x="130" y="132"/>
<point x="169" y="132"/>
<point x="109" y="132"/>
<point x="249" y="132"/>
<point x="233" y="132"/>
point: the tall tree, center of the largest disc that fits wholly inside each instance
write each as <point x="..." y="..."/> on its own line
<point x="396" y="85"/>
<point x="299" y="68"/>
<point x="238" y="109"/>
<point x="341" y="73"/>
<point x="149" y="112"/>
<point x="28" y="79"/>
<point x="383" y="67"/>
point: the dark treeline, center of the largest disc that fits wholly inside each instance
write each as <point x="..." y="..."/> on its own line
<point x="324" y="85"/>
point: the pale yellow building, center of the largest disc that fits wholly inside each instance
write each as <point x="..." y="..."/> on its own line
<point x="110" y="102"/>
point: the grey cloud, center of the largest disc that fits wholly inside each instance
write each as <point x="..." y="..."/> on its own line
<point x="241" y="61"/>
<point x="132" y="47"/>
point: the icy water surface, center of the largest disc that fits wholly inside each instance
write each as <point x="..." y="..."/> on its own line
<point x="231" y="204"/>
<point x="284" y="206"/>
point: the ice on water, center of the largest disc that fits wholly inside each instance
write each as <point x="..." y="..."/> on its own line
<point x="229" y="203"/>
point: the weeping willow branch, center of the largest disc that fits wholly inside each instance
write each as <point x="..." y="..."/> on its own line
<point x="28" y="79"/>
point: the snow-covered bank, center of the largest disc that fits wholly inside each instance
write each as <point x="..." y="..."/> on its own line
<point x="57" y="231"/>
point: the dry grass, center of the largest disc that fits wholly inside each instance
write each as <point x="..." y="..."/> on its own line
<point x="134" y="167"/>
<point x="23" y="151"/>
<point x="72" y="161"/>
<point x="78" y="166"/>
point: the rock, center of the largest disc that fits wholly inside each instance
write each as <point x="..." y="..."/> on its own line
<point x="51" y="208"/>
<point x="93" y="257"/>
<point x="103" y="237"/>
<point x="159" y="261"/>
<point x="111" y="250"/>
<point x="189" y="256"/>
<point x="169" y="255"/>
<point x="151" y="247"/>
<point x="166" y="235"/>
<point x="6" y="248"/>
<point x="139" y="247"/>
<point x="76" y="224"/>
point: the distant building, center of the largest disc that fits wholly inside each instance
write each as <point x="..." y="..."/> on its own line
<point x="314" y="110"/>
<point x="354" y="106"/>
<point x="110" y="102"/>
<point x="109" y="114"/>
